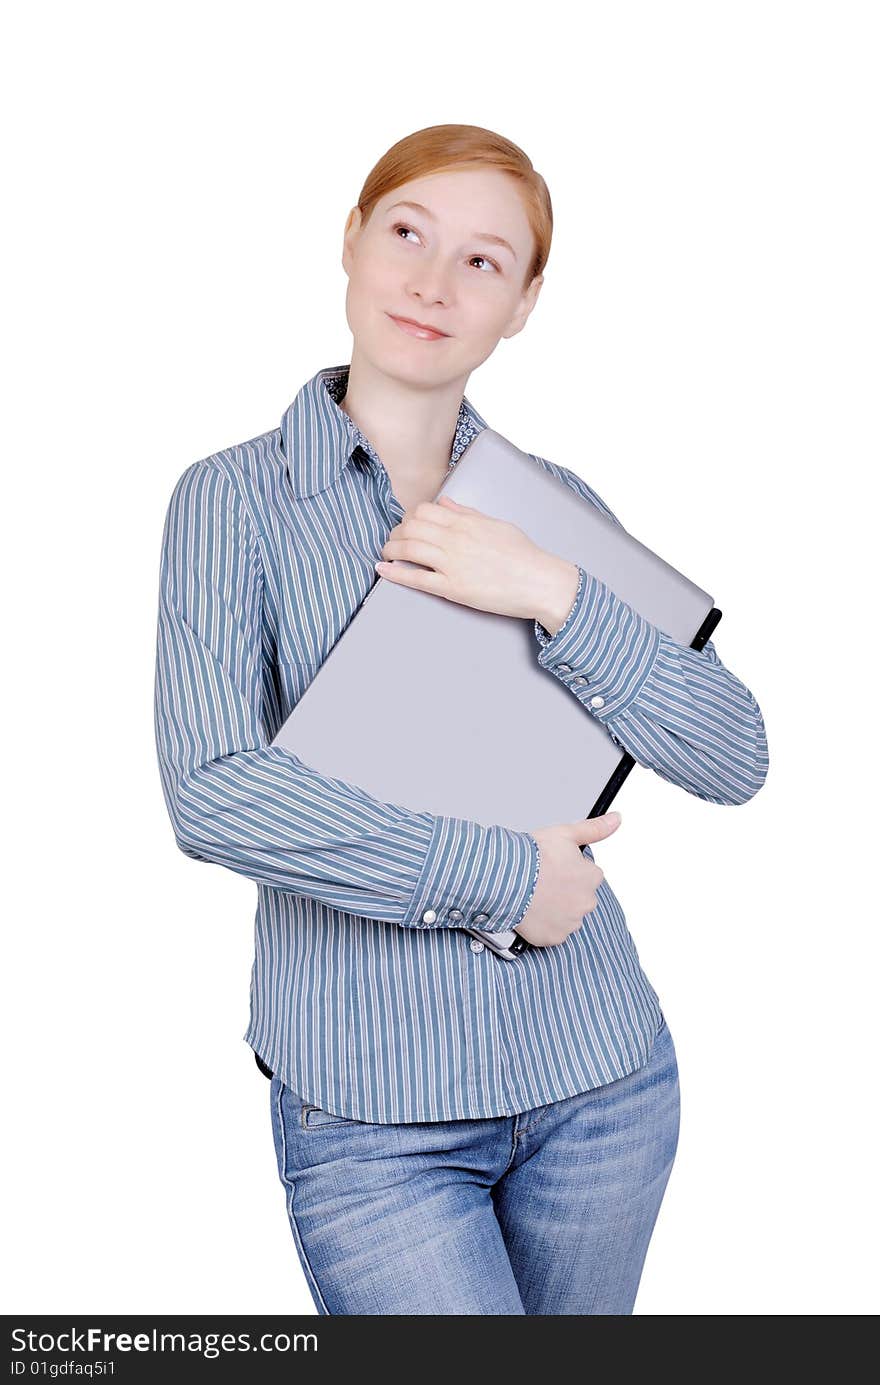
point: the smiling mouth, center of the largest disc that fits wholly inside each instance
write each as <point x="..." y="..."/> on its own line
<point x="413" y="329"/>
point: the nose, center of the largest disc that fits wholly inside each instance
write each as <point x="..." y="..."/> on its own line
<point x="430" y="285"/>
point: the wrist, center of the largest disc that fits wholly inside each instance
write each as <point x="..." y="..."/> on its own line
<point x="560" y="597"/>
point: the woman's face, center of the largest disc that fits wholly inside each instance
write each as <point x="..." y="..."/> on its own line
<point x="441" y="267"/>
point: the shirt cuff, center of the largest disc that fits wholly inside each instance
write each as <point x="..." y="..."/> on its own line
<point x="604" y="651"/>
<point x="475" y="877"/>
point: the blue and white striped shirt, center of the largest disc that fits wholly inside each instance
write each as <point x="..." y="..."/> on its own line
<point x="366" y="997"/>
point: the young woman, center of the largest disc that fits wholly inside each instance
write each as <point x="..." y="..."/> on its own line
<point x="455" y="1133"/>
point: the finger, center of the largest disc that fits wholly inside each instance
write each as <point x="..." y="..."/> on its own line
<point x="425" y="527"/>
<point x="587" y="830"/>
<point x="434" y="510"/>
<point x="415" y="550"/>
<point x="419" y="578"/>
<point x="456" y="504"/>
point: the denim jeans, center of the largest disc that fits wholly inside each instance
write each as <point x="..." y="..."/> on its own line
<point x="545" y="1212"/>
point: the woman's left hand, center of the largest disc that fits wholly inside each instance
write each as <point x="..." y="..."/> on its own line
<point x="477" y="560"/>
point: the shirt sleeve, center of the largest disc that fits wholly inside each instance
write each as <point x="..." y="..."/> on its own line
<point x="240" y="802"/>
<point x="674" y="709"/>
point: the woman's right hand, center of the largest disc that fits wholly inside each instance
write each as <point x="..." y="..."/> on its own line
<point x="567" y="881"/>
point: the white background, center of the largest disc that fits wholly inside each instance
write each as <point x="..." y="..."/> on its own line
<point x="704" y="353"/>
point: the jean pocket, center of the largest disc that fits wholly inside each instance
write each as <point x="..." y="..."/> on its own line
<point x="311" y="1116"/>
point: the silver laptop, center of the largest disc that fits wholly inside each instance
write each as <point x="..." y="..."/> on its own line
<point x="439" y="707"/>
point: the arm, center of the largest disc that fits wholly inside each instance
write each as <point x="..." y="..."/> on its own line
<point x="675" y="709"/>
<point x="239" y="802"/>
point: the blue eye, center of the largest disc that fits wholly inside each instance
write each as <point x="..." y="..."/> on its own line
<point x="401" y="226"/>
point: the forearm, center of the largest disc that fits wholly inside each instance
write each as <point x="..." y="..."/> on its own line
<point x="676" y="710"/>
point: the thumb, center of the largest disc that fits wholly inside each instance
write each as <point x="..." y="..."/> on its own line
<point x="586" y="830"/>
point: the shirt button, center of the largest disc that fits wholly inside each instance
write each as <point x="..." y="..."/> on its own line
<point x="429" y="916"/>
<point x="480" y="918"/>
<point x="476" y="945"/>
<point x="576" y="682"/>
<point x="597" y="702"/>
<point x="455" y="914"/>
<point x="565" y="668"/>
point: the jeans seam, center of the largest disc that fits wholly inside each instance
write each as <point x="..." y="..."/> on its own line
<point x="291" y="1188"/>
<point x="532" y="1123"/>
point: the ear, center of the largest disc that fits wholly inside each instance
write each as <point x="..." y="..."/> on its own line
<point x="349" y="237"/>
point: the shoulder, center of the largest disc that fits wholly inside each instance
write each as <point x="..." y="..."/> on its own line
<point x="237" y="478"/>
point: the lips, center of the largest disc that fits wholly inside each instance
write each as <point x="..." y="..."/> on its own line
<point x="417" y="329"/>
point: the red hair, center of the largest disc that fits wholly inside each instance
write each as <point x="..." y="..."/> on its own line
<point x="441" y="148"/>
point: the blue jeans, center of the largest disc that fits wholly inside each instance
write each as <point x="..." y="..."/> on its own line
<point x="545" y="1212"/>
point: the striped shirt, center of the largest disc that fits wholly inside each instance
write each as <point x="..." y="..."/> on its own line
<point x="367" y="998"/>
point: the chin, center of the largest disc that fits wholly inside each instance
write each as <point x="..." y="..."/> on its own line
<point x="403" y="361"/>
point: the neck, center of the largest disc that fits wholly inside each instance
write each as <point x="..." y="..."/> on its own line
<point x="411" y="426"/>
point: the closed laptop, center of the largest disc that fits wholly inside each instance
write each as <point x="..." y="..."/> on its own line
<point x="439" y="707"/>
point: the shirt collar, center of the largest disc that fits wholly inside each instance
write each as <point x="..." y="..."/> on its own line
<point x="318" y="437"/>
